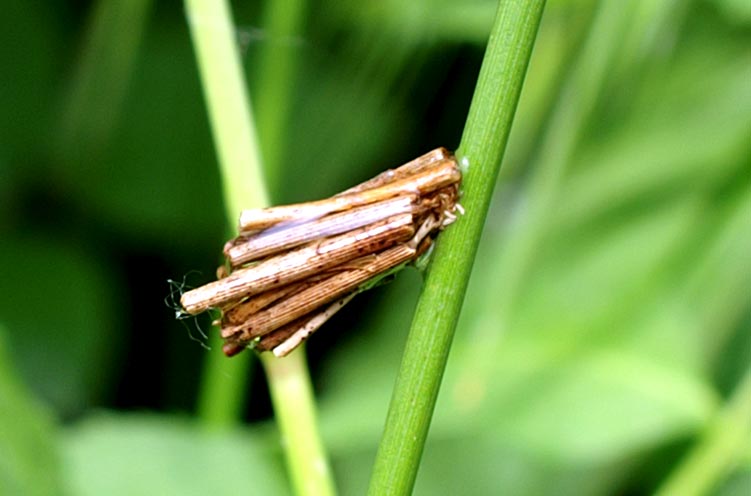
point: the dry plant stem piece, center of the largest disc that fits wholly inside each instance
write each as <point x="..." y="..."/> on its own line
<point x="277" y="337"/>
<point x="310" y="327"/>
<point x="314" y="297"/>
<point x="299" y="264"/>
<point x="285" y="236"/>
<point x="443" y="173"/>
<point x="421" y="163"/>
<point x="238" y="312"/>
<point x="299" y="329"/>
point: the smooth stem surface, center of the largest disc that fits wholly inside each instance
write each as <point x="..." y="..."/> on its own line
<point x="224" y="383"/>
<point x="292" y="396"/>
<point x="481" y="150"/>
<point x="724" y="443"/>
<point x="230" y="113"/>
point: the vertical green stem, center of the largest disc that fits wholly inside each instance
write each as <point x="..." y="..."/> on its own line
<point x="223" y="387"/>
<point x="292" y="396"/>
<point x="481" y="150"/>
<point x="225" y="381"/>
<point x="283" y="22"/>
<point x="289" y="382"/>
<point x="230" y="113"/>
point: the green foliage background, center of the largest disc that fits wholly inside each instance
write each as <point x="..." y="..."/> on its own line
<point x="607" y="330"/>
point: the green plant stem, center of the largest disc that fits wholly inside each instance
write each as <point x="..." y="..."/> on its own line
<point x="224" y="383"/>
<point x="230" y="113"/>
<point x="289" y="384"/>
<point x="277" y="63"/>
<point x="724" y="443"/>
<point x="481" y="150"/>
<point x="292" y="396"/>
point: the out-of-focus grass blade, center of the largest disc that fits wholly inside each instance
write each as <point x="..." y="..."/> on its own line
<point x="114" y="32"/>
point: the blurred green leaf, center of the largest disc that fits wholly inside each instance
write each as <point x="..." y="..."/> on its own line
<point x="59" y="300"/>
<point x="482" y="464"/>
<point x="649" y="153"/>
<point x="150" y="454"/>
<point x="600" y="406"/>
<point x="29" y="461"/>
<point x="593" y="283"/>
<point x="156" y="180"/>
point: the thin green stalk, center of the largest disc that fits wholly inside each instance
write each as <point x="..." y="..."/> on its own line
<point x="481" y="150"/>
<point x="292" y="396"/>
<point x="283" y="22"/>
<point x="724" y="443"/>
<point x="230" y="113"/>
<point x="225" y="381"/>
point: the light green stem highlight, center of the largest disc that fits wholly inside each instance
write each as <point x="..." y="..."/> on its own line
<point x="230" y="113"/>
<point x="292" y="396"/>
